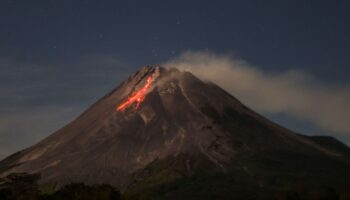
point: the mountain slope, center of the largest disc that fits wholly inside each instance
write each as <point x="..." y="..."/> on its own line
<point x="174" y="130"/>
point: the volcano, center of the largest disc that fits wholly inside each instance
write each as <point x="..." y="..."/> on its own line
<point x="165" y="133"/>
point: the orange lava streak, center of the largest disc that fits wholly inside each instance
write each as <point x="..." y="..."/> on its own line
<point x="137" y="97"/>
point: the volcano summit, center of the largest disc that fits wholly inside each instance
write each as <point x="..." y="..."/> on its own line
<point x="164" y="133"/>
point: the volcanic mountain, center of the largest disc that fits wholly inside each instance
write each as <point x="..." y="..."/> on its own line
<point x="165" y="132"/>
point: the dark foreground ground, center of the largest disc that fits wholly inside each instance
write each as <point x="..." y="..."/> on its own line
<point x="26" y="187"/>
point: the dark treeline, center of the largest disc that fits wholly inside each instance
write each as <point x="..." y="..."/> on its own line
<point x="25" y="187"/>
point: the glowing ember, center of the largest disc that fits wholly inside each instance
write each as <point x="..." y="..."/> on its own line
<point x="138" y="96"/>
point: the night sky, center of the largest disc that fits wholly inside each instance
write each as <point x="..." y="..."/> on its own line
<point x="57" y="57"/>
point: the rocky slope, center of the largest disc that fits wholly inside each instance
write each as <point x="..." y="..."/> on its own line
<point x="180" y="131"/>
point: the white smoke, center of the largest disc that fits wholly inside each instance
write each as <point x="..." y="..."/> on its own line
<point x="293" y="92"/>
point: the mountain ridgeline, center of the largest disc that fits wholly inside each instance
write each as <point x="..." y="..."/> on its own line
<point x="181" y="137"/>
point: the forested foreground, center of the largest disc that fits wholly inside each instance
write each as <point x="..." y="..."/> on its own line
<point x="25" y="187"/>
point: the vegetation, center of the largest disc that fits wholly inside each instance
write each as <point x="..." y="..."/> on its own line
<point x="25" y="187"/>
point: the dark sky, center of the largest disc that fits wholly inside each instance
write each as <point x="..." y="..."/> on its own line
<point x="59" y="56"/>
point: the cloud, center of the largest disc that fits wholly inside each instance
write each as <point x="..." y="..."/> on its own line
<point x="37" y="99"/>
<point x="23" y="127"/>
<point x="293" y="92"/>
<point x="26" y="84"/>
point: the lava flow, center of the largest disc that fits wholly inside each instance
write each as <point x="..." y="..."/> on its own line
<point x="138" y="97"/>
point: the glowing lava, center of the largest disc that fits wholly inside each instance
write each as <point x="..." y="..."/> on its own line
<point x="138" y="97"/>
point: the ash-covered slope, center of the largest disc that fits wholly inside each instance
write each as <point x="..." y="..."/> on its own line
<point x="175" y="127"/>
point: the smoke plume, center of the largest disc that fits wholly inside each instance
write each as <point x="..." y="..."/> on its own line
<point x="293" y="92"/>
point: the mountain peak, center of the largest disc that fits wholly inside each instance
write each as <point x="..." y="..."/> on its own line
<point x="162" y="115"/>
